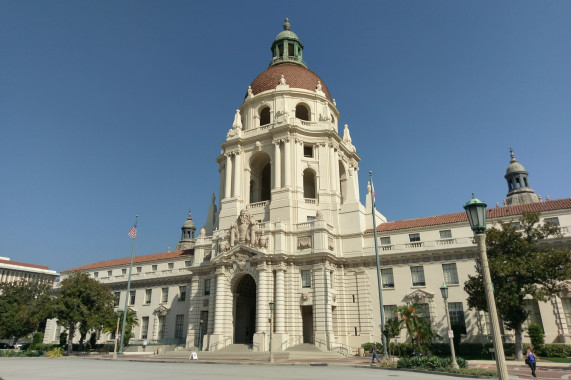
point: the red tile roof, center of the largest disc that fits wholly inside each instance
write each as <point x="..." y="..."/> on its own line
<point x="24" y="264"/>
<point x="136" y="260"/>
<point x="498" y="212"/>
<point x="296" y="76"/>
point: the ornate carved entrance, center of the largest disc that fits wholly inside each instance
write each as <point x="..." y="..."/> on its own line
<point x="245" y="310"/>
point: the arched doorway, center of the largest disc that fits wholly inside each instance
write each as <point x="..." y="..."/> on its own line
<point x="245" y="310"/>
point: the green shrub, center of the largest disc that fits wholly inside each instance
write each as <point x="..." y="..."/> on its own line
<point x="536" y="335"/>
<point x="433" y="363"/>
<point x="37" y="340"/>
<point x="63" y="339"/>
<point x="555" y="350"/>
<point x="55" y="352"/>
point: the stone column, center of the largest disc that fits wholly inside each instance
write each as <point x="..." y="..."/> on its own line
<point x="228" y="170"/>
<point x="220" y="301"/>
<point x="280" y="299"/>
<point x="262" y="307"/>
<point x="287" y="164"/>
<point x="277" y="166"/>
<point x="237" y="176"/>
<point x="334" y="165"/>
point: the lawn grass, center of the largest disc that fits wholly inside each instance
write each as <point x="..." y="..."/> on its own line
<point x="557" y="360"/>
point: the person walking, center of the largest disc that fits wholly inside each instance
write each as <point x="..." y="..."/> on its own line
<point x="375" y="352"/>
<point x="531" y="361"/>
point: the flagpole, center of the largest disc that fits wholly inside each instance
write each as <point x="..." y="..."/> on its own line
<point x="379" y="278"/>
<point x="128" y="284"/>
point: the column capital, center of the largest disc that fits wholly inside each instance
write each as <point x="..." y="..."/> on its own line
<point x="220" y="271"/>
<point x="280" y="267"/>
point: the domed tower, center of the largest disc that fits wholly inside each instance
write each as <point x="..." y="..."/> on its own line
<point x="187" y="236"/>
<point x="283" y="158"/>
<point x="518" y="185"/>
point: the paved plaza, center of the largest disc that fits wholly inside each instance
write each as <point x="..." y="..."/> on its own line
<point x="157" y="367"/>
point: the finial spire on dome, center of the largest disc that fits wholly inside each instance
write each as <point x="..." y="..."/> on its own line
<point x="512" y="154"/>
<point x="287" y="25"/>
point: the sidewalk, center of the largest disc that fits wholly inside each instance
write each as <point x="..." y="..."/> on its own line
<point x="516" y="370"/>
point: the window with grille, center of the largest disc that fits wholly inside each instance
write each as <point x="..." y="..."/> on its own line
<point x="389" y="311"/>
<point x="423" y="312"/>
<point x="417" y="274"/>
<point x="456" y="312"/>
<point x="124" y="271"/>
<point x="450" y="274"/>
<point x="164" y="295"/>
<point x="554" y="221"/>
<point x="414" y="237"/>
<point x="182" y="293"/>
<point x="178" y="327"/>
<point x="306" y="279"/>
<point x="148" y="293"/>
<point x="95" y="274"/>
<point x="207" y="287"/>
<point x="155" y="267"/>
<point x="445" y="234"/>
<point x="144" y="327"/>
<point x="109" y="273"/>
<point x="162" y="326"/>
<point x="533" y="313"/>
<point x="386" y="240"/>
<point x="132" y="297"/>
<point x="117" y="298"/>
<point x="388" y="279"/>
<point x="566" y="303"/>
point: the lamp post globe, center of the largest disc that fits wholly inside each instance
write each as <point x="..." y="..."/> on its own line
<point x="444" y="291"/>
<point x="476" y="211"/>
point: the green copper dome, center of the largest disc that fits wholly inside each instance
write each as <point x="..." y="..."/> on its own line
<point x="287" y="48"/>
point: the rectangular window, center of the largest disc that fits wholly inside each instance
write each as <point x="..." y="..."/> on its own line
<point x="139" y="269"/>
<point x="188" y="263"/>
<point x="124" y="271"/>
<point x="386" y="240"/>
<point x="182" y="293"/>
<point x="450" y="274"/>
<point x="516" y="225"/>
<point x="145" y="328"/>
<point x="132" y="297"/>
<point x="207" y="287"/>
<point x="95" y="274"/>
<point x="414" y="237"/>
<point x="389" y="311"/>
<point x="165" y="295"/>
<point x="154" y="267"/>
<point x="179" y="323"/>
<point x="306" y="279"/>
<point x="109" y="273"/>
<point x="171" y="265"/>
<point x="457" y="316"/>
<point x="423" y="312"/>
<point x="417" y="276"/>
<point x="533" y="314"/>
<point x="566" y="303"/>
<point x="307" y="151"/>
<point x="117" y="298"/>
<point x="162" y="327"/>
<point x="148" y="293"/>
<point x="388" y="279"/>
<point x="554" y="221"/>
<point x="445" y="234"/>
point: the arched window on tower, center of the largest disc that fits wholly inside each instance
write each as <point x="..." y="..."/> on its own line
<point x="342" y="182"/>
<point x="302" y="112"/>
<point x="309" y="184"/>
<point x="265" y="116"/>
<point x="260" y="178"/>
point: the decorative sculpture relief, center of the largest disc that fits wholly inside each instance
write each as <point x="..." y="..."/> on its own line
<point x="304" y="242"/>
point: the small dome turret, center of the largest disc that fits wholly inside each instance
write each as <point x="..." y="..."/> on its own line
<point x="187" y="236"/>
<point x="519" y="191"/>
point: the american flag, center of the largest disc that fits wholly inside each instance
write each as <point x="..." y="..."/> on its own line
<point x="133" y="231"/>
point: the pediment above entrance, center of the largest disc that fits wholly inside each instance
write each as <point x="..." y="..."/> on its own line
<point x="162" y="310"/>
<point x="239" y="253"/>
<point x="418" y="296"/>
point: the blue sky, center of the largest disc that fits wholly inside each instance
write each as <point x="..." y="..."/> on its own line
<point x="114" y="108"/>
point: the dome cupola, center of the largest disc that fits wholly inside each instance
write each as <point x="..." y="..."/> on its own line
<point x="287" y="48"/>
<point x="519" y="191"/>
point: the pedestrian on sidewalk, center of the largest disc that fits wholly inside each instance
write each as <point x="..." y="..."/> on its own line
<point x="375" y="352"/>
<point x="531" y="360"/>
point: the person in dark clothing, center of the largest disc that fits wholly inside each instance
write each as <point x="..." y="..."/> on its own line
<point x="375" y="352"/>
<point x="531" y="361"/>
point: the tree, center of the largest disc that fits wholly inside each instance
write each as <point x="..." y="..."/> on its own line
<point x="130" y="322"/>
<point x="83" y="303"/>
<point x="23" y="308"/>
<point x="392" y="330"/>
<point x="520" y="266"/>
<point x="418" y="328"/>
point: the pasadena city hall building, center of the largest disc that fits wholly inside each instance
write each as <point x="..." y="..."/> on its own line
<point x="290" y="229"/>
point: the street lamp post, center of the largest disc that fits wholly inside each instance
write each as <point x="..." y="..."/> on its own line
<point x="444" y="291"/>
<point x="271" y="359"/>
<point x="200" y="335"/>
<point x="476" y="211"/>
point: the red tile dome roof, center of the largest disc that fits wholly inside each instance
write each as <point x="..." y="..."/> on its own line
<point x="296" y="76"/>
